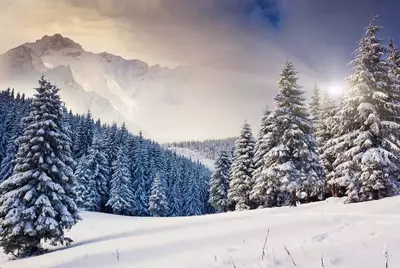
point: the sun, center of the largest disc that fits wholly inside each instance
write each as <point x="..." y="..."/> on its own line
<point x="336" y="89"/>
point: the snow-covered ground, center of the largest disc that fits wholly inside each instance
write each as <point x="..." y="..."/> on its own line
<point x="195" y="156"/>
<point x="345" y="236"/>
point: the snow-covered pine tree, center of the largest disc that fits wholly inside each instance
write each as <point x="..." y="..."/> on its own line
<point x="241" y="170"/>
<point x="86" y="188"/>
<point x="204" y="178"/>
<point x="138" y="171"/>
<point x="121" y="195"/>
<point x="84" y="137"/>
<point x="315" y="104"/>
<point x="327" y="128"/>
<point x="176" y="204"/>
<point x="394" y="73"/>
<point x="158" y="203"/>
<point x="122" y="135"/>
<point x="219" y="184"/>
<point x="7" y="164"/>
<point x="192" y="202"/>
<point x="394" y="58"/>
<point x="368" y="165"/>
<point x="6" y="131"/>
<point x="325" y="123"/>
<point x="293" y="162"/>
<point x="111" y="144"/>
<point x="37" y="203"/>
<point x="265" y="191"/>
<point x="98" y="164"/>
<point x="93" y="178"/>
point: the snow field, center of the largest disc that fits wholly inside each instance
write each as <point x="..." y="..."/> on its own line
<point x="344" y="236"/>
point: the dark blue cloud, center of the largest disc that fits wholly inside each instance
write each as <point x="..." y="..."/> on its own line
<point x="265" y="9"/>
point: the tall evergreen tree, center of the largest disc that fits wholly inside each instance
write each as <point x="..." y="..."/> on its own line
<point x="192" y="201"/>
<point x="158" y="203"/>
<point x="121" y="195"/>
<point x="315" y="104"/>
<point x="7" y="129"/>
<point x="242" y="168"/>
<point x="8" y="162"/>
<point x="86" y="188"/>
<point x="111" y="144"/>
<point x="292" y="164"/>
<point x="93" y="178"/>
<point x="37" y="203"/>
<point x="220" y="183"/>
<point x="369" y="164"/>
<point x="176" y="203"/>
<point x="327" y="129"/>
<point x="84" y="137"/>
<point x="138" y="171"/>
<point x="265" y="191"/>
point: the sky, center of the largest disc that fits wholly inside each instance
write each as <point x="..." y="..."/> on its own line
<point x="236" y="48"/>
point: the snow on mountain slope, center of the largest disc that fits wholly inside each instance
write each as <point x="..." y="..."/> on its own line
<point x="102" y="72"/>
<point x="84" y="77"/>
<point x="195" y="156"/>
<point x="342" y="236"/>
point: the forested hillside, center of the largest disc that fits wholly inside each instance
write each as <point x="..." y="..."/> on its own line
<point x="115" y="169"/>
<point x="207" y="148"/>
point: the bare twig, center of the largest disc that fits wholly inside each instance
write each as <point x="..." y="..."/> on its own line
<point x="322" y="262"/>
<point x="290" y="256"/>
<point x="117" y="255"/>
<point x="386" y="257"/>
<point x="233" y="263"/>
<point x="265" y="243"/>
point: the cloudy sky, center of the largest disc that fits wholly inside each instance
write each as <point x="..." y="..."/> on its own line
<point x="238" y="44"/>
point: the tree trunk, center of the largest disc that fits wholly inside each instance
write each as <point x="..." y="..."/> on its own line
<point x="293" y="199"/>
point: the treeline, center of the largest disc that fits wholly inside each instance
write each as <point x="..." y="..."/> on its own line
<point x="351" y="149"/>
<point x="208" y="148"/>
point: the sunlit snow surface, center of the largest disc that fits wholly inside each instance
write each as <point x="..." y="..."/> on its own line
<point x="347" y="236"/>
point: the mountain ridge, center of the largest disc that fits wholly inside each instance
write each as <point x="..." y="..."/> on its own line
<point x="89" y="81"/>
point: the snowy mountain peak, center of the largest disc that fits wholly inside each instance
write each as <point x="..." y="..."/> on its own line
<point x="55" y="42"/>
<point x="21" y="59"/>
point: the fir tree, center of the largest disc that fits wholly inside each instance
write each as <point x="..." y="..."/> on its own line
<point x="220" y="183"/>
<point x="7" y="164"/>
<point x="158" y="203"/>
<point x="37" y="203"/>
<point x="315" y="104"/>
<point x="265" y="191"/>
<point x="242" y="168"/>
<point x="121" y="195"/>
<point x="176" y="204"/>
<point x="93" y="176"/>
<point x="326" y="136"/>
<point x="138" y="171"/>
<point x="84" y="138"/>
<point x="192" y="201"/>
<point x="6" y="131"/>
<point x="368" y="164"/>
<point x="86" y="188"/>
<point x="292" y="164"/>
<point x="111" y="144"/>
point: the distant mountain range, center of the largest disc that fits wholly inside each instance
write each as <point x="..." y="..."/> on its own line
<point x="104" y="83"/>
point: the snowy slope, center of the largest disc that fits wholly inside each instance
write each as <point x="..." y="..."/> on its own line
<point x="195" y="156"/>
<point x="345" y="236"/>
